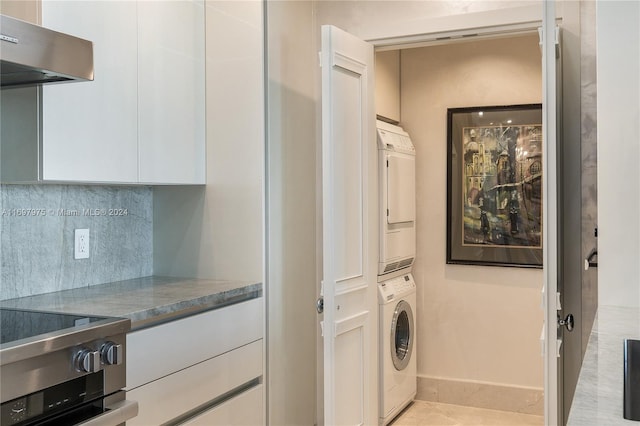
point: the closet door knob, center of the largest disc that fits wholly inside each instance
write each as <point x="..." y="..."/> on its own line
<point x="568" y="322"/>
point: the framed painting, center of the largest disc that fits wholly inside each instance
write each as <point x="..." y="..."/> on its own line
<point x="494" y="185"/>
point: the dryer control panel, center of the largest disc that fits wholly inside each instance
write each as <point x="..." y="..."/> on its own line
<point x="395" y="288"/>
<point x="394" y="138"/>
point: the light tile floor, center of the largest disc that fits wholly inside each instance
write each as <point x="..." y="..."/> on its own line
<point x="425" y="413"/>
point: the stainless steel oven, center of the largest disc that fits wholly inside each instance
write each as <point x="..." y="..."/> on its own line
<point x="63" y="369"/>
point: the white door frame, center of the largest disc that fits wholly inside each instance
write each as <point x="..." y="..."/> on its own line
<point x="463" y="26"/>
<point x="550" y="213"/>
<point x="548" y="24"/>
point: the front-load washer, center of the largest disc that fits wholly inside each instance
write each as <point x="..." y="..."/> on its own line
<point x="398" y="379"/>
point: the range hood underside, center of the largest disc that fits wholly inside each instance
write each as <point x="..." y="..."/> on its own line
<point x="14" y="75"/>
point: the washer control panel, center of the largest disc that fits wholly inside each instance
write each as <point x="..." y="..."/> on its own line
<point x="396" y="287"/>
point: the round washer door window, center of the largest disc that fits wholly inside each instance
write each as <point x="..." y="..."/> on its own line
<point x="401" y="335"/>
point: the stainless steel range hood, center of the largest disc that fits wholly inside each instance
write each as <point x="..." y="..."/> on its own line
<point x="32" y="55"/>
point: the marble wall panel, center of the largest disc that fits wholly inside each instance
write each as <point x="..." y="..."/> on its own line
<point x="37" y="226"/>
<point x="588" y="101"/>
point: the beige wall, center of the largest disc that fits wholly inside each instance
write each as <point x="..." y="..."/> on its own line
<point x="291" y="212"/>
<point x="27" y="10"/>
<point x="388" y="84"/>
<point x="474" y="323"/>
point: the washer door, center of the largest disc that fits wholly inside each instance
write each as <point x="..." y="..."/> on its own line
<point x="401" y="335"/>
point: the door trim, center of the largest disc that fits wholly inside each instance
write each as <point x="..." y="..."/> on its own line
<point x="550" y="214"/>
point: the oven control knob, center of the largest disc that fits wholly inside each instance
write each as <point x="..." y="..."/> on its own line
<point x="88" y="361"/>
<point x="111" y="353"/>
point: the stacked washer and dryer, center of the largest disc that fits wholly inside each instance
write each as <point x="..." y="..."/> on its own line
<point x="396" y="287"/>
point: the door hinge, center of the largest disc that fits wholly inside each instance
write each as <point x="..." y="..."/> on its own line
<point x="543" y="342"/>
<point x="540" y="37"/>
<point x="556" y="35"/>
<point x="556" y="40"/>
<point x="542" y="300"/>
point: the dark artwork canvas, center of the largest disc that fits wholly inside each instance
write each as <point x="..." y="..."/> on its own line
<point x="495" y="172"/>
<point x="502" y="171"/>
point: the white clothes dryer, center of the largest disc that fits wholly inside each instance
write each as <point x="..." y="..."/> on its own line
<point x="397" y="181"/>
<point x="398" y="379"/>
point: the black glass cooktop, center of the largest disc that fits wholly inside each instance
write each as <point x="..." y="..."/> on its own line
<point x="18" y="324"/>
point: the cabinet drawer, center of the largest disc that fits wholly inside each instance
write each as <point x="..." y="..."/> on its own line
<point x="177" y="394"/>
<point x="158" y="351"/>
<point x="245" y="409"/>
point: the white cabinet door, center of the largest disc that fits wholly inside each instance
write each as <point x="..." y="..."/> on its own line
<point x="142" y="120"/>
<point x="90" y="128"/>
<point x="171" y="91"/>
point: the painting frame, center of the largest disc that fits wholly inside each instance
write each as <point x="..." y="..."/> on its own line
<point x="494" y="185"/>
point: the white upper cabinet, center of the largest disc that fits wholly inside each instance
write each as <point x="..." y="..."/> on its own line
<point x="141" y="121"/>
<point x="90" y="129"/>
<point x="171" y="75"/>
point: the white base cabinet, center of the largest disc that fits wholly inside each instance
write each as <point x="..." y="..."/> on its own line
<point x="192" y="394"/>
<point x="205" y="369"/>
<point x="240" y="410"/>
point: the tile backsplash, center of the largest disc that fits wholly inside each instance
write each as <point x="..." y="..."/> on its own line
<point x="37" y="226"/>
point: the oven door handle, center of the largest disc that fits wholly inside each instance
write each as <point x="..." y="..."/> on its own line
<point x="116" y="414"/>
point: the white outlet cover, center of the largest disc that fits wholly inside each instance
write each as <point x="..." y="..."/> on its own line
<point x="81" y="246"/>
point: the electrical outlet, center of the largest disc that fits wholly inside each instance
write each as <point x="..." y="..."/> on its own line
<point x="81" y="246"/>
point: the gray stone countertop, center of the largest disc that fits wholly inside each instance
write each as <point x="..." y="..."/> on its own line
<point x="146" y="301"/>
<point x="599" y="393"/>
